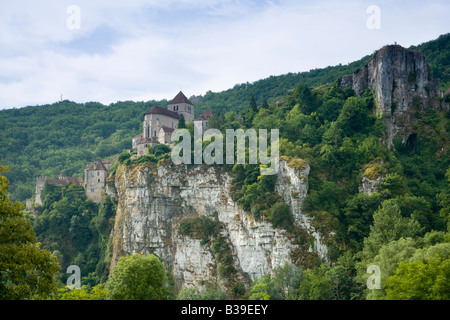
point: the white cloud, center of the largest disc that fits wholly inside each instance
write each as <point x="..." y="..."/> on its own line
<point x="141" y="50"/>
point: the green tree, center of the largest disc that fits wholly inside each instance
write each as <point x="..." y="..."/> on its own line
<point x="85" y="293"/>
<point x="394" y="185"/>
<point x="286" y="280"/>
<point x="316" y="285"/>
<point x="181" y="122"/>
<point x="420" y="280"/>
<point x="388" y="225"/>
<point x="160" y="149"/>
<point x="208" y="292"/>
<point x="281" y="216"/>
<point x="387" y="259"/>
<point x="138" y="277"/>
<point x="262" y="288"/>
<point x="26" y="271"/>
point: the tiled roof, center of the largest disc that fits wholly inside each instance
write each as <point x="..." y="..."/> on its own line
<point x="74" y="180"/>
<point x="57" y="182"/>
<point x="159" y="110"/>
<point x="149" y="140"/>
<point x="204" y="116"/>
<point x="98" y="165"/>
<point x="180" y="98"/>
<point x="65" y="181"/>
<point x="167" y="129"/>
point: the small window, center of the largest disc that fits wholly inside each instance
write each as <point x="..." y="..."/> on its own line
<point x="92" y="189"/>
<point x="98" y="173"/>
<point x="98" y="180"/>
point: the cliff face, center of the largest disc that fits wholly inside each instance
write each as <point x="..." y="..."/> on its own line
<point x="154" y="202"/>
<point x="401" y="81"/>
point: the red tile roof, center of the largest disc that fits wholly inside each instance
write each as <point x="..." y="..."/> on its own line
<point x="204" y="116"/>
<point x="65" y="181"/>
<point x="98" y="165"/>
<point x="149" y="140"/>
<point x="159" y="110"/>
<point x="180" y="98"/>
<point x="167" y="129"/>
<point x="74" y="180"/>
<point x="57" y="182"/>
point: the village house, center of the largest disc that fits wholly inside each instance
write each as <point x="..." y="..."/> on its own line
<point x="201" y="122"/>
<point x="41" y="181"/>
<point x="95" y="176"/>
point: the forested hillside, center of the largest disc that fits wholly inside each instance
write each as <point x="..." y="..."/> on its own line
<point x="402" y="226"/>
<point x="65" y="136"/>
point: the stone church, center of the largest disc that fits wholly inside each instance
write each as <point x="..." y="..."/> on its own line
<point x="159" y="123"/>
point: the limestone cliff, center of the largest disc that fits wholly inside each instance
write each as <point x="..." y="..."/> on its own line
<point x="154" y="201"/>
<point x="400" y="80"/>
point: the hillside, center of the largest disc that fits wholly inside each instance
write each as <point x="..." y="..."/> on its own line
<point x="362" y="185"/>
<point x="65" y="136"/>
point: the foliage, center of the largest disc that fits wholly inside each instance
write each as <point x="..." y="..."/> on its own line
<point x="77" y="229"/>
<point x="281" y="216"/>
<point x="401" y="227"/>
<point x="420" y="280"/>
<point x="85" y="293"/>
<point x="207" y="292"/>
<point x="138" y="277"/>
<point x="200" y="227"/>
<point x="26" y="270"/>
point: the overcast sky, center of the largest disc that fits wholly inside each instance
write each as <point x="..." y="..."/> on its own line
<point x="110" y="51"/>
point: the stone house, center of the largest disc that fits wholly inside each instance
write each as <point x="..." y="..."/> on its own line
<point x="201" y="122"/>
<point x="61" y="181"/>
<point x="95" y="175"/>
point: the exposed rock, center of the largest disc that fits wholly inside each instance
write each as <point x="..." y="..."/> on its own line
<point x="400" y="80"/>
<point x="373" y="175"/>
<point x="153" y="202"/>
<point x="370" y="186"/>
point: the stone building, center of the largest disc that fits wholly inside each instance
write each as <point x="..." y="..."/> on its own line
<point x="61" y="181"/>
<point x="181" y="105"/>
<point x="95" y="175"/>
<point x="201" y="122"/>
<point x="160" y="123"/>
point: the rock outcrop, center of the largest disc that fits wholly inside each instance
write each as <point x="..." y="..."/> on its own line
<point x="401" y="81"/>
<point x="154" y="201"/>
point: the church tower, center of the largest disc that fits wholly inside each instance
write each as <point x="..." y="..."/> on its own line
<point x="182" y="105"/>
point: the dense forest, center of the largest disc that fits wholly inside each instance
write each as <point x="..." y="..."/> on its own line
<point x="403" y="228"/>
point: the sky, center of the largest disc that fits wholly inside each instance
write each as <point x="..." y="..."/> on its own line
<point x="108" y="50"/>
